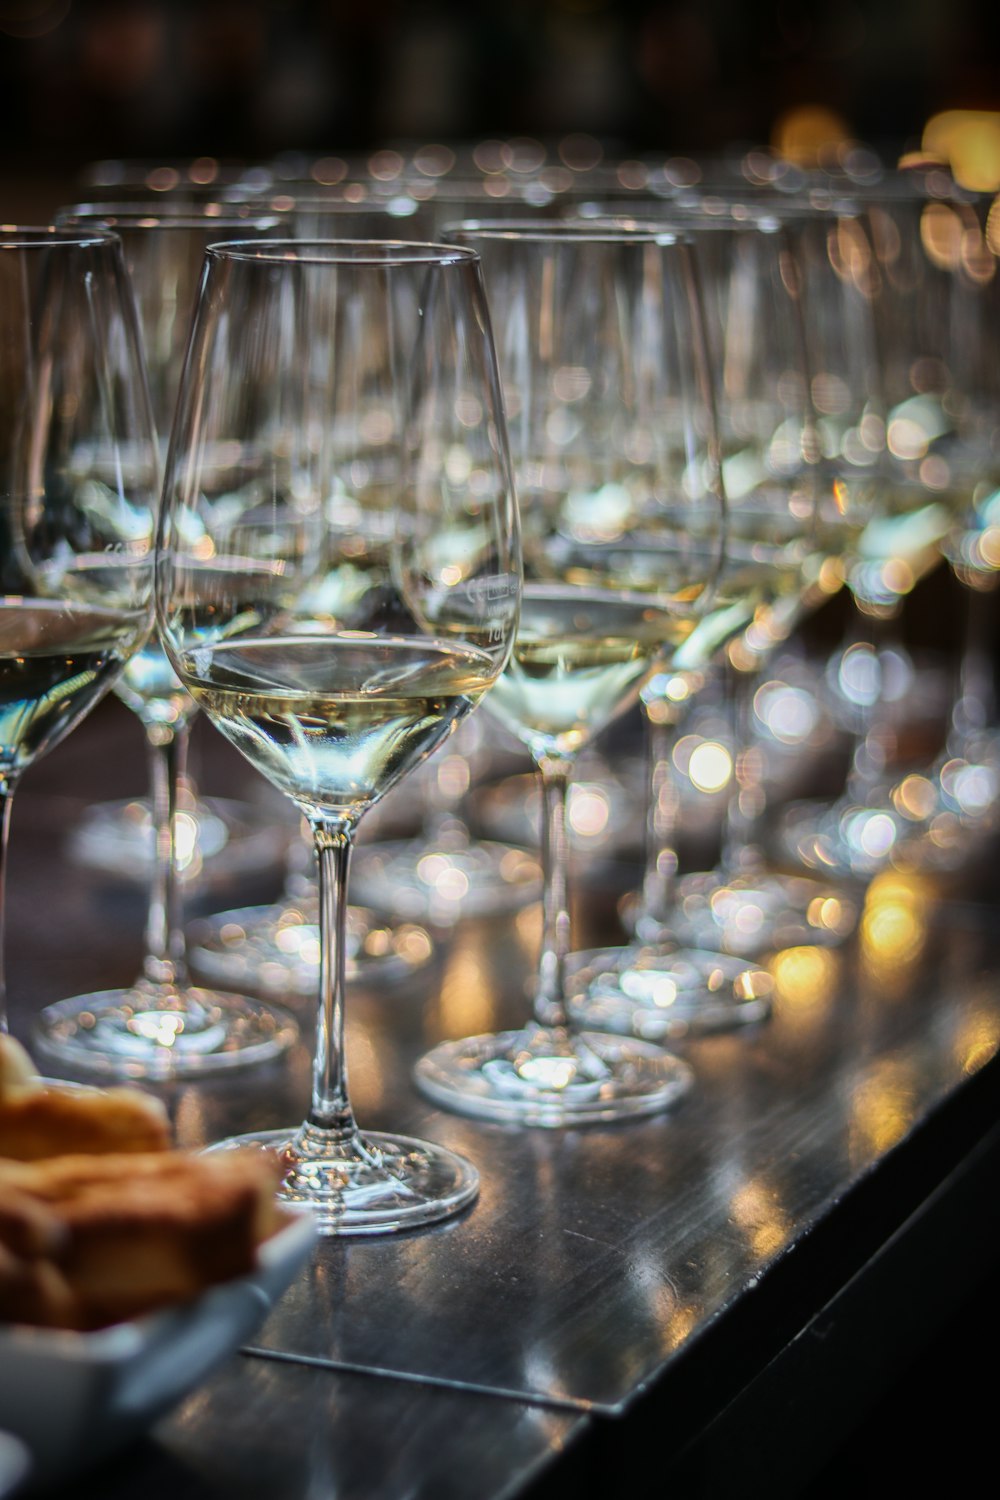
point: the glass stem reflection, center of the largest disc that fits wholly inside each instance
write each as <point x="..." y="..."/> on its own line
<point x="550" y="995"/>
<point x="975" y="706"/>
<point x="746" y="806"/>
<point x="659" y="880"/>
<point x="330" y="1109"/>
<point x="165" y="961"/>
<point x="875" y="739"/>
<point x="6" y="798"/>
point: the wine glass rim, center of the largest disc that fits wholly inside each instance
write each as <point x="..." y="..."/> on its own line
<point x="152" y="216"/>
<point x="368" y="252"/>
<point x="688" y="221"/>
<point x="48" y="236"/>
<point x="618" y="229"/>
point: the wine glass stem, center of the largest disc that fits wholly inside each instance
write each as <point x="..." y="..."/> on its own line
<point x="6" y="798"/>
<point x="974" y="704"/>
<point x="659" y="878"/>
<point x="875" y="739"/>
<point x="746" y="804"/>
<point x="550" y="994"/>
<point x="331" y="1110"/>
<point x="165" y="960"/>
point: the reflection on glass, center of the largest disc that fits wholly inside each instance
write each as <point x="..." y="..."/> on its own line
<point x="163" y="1026"/>
<point x="605" y="387"/>
<point x="78" y="479"/>
<point x="335" y="601"/>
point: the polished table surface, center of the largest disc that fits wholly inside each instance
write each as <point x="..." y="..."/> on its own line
<point x="803" y="1220"/>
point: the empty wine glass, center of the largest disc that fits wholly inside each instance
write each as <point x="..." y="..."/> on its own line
<point x="78" y="481"/>
<point x="608" y="399"/>
<point x="337" y="591"/>
<point x="164" y="243"/>
<point x="162" y="1025"/>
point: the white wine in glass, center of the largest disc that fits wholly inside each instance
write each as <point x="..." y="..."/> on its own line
<point x="78" y="490"/>
<point x="615" y="450"/>
<point x="162" y="1025"/>
<point x="339" y="598"/>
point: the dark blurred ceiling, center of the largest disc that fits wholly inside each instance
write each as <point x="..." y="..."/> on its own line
<point x="84" y="79"/>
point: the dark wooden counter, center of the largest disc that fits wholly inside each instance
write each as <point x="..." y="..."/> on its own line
<point x="719" y="1292"/>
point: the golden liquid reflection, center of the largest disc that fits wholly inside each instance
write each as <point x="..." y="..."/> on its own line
<point x="969" y="141"/>
<point x="680" y="1325"/>
<point x="467" y="1001"/>
<point x="805" y="134"/>
<point x="367" y="1069"/>
<point x="806" y="980"/>
<point x="755" y="1207"/>
<point x="882" y="1106"/>
<point x="977" y="1040"/>
<point x="528" y="927"/>
<point x="893" y="929"/>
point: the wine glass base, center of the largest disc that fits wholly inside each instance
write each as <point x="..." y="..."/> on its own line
<point x="667" y="994"/>
<point x="219" y="840"/>
<point x="552" y="1079"/>
<point x="273" y="951"/>
<point x="749" y="915"/>
<point x="375" y="1184"/>
<point x="421" y="882"/>
<point x="162" y="1032"/>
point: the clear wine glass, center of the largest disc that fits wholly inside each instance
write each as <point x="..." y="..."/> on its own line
<point x="79" y="471"/>
<point x="953" y="239"/>
<point x="337" y="591"/>
<point x="608" y="399"/>
<point x="686" y="971"/>
<point x="164" y="241"/>
<point x="918" y="496"/>
<point x="434" y="876"/>
<point x="163" y="1025"/>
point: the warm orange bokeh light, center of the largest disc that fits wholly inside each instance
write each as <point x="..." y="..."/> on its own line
<point x="806" y="133"/>
<point x="969" y="141"/>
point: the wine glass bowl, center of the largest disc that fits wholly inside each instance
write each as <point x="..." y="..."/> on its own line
<point x="338" y="585"/>
<point x="164" y="244"/>
<point x="924" y="252"/>
<point x="79" y="481"/>
<point x="606" y="388"/>
<point x="162" y="1025"/>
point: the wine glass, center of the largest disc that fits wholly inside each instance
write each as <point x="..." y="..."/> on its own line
<point x="951" y="233"/>
<point x="440" y="873"/>
<point x="917" y="498"/>
<point x="608" y="401"/>
<point x="162" y="1025"/>
<point x="337" y="591"/>
<point x="79" y="480"/>
<point x="683" y="973"/>
<point x="164" y="241"/>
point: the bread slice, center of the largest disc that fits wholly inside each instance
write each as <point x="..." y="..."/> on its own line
<point x="140" y="1231"/>
<point x="39" y="1119"/>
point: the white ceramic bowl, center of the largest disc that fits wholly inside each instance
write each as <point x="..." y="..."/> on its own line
<point x="74" y="1397"/>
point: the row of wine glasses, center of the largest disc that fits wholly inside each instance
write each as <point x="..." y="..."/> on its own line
<point x="342" y="577"/>
<point x="275" y="947"/>
<point x="786" y="541"/>
<point x="609" y="398"/>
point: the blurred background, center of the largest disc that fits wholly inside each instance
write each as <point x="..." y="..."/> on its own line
<point x="177" y="79"/>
